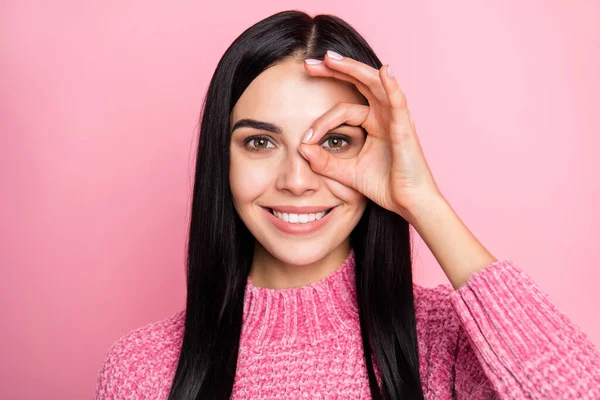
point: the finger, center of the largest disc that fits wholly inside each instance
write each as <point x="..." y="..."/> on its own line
<point x="359" y="71"/>
<point x="322" y="69"/>
<point x="401" y="122"/>
<point x="324" y="163"/>
<point x="390" y="85"/>
<point x="341" y="113"/>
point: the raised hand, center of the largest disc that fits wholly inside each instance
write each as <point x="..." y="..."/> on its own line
<point x="391" y="168"/>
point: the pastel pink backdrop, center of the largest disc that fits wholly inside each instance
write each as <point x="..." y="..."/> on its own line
<point x="99" y="110"/>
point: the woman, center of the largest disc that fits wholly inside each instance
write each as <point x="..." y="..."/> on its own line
<point x="299" y="279"/>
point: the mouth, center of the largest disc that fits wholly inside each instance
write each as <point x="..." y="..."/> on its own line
<point x="293" y="218"/>
<point x="299" y="224"/>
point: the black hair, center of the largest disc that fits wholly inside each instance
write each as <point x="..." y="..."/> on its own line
<point x="220" y="247"/>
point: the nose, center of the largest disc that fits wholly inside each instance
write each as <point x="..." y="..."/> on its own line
<point x="296" y="176"/>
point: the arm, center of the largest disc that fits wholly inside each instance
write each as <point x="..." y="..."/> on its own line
<point x="455" y="248"/>
<point x="526" y="347"/>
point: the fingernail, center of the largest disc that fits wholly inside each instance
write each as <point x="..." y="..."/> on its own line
<point x="312" y="61"/>
<point x="302" y="154"/>
<point x="307" y="135"/>
<point x="389" y="71"/>
<point x="334" y="55"/>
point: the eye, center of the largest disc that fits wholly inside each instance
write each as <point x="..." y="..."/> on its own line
<point x="335" y="142"/>
<point x="258" y="143"/>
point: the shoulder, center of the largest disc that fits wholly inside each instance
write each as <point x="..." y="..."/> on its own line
<point x="447" y="353"/>
<point x="143" y="361"/>
<point x="438" y="324"/>
<point x="434" y="303"/>
<point x="439" y="334"/>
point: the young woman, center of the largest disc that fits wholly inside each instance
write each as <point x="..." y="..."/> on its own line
<point x="308" y="174"/>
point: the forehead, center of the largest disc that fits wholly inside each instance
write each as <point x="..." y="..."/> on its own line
<point x="285" y="92"/>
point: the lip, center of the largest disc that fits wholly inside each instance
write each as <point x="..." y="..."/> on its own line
<point x="299" y="229"/>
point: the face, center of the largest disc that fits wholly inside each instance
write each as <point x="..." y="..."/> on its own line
<point x="267" y="172"/>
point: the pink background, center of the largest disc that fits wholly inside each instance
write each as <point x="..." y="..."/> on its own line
<point x="99" y="111"/>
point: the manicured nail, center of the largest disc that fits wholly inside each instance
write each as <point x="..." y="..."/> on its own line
<point x="334" y="55"/>
<point x="389" y="71"/>
<point x="312" y="61"/>
<point x="307" y="135"/>
<point x="302" y="154"/>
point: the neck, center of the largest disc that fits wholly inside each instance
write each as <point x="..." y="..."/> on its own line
<point x="267" y="271"/>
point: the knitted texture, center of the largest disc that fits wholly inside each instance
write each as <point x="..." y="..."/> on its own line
<point x="497" y="337"/>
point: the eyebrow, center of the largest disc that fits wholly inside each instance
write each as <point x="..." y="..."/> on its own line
<point x="267" y="126"/>
<point x="252" y="123"/>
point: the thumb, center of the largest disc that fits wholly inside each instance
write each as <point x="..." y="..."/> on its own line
<point x="323" y="163"/>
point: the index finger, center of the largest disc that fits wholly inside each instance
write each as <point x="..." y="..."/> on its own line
<point x="318" y="68"/>
<point x="348" y="116"/>
<point x="363" y="76"/>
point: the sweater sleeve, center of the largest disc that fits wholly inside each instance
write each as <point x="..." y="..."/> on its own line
<point x="105" y="385"/>
<point x="526" y="347"/>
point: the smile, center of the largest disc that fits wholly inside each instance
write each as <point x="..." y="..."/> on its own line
<point x="299" y="224"/>
<point x="299" y="218"/>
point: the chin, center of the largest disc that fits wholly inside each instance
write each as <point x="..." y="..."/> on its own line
<point x="297" y="252"/>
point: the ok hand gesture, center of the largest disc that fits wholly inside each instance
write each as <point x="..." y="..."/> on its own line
<point x="390" y="169"/>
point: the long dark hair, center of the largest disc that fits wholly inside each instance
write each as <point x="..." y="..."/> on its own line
<point x="220" y="247"/>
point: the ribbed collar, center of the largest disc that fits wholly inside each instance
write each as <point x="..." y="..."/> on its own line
<point x="306" y="314"/>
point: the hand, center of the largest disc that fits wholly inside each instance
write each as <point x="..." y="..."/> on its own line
<point x="390" y="169"/>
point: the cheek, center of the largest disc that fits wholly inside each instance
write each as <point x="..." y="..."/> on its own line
<point x="248" y="181"/>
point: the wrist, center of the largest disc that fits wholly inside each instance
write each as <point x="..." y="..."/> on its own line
<point x="453" y="245"/>
<point x="426" y="208"/>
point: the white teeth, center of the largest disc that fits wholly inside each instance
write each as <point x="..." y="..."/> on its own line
<point x="299" y="218"/>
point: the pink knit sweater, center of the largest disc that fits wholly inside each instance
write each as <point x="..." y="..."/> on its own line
<point x="497" y="336"/>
